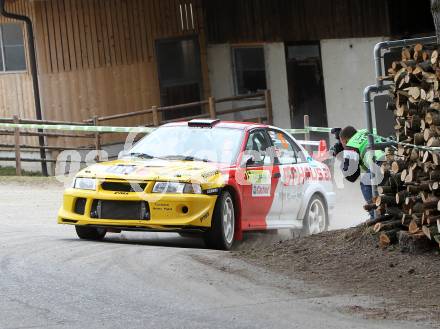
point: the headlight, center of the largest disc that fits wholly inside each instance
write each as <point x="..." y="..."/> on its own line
<point x="85" y="183"/>
<point x="176" y="188"/>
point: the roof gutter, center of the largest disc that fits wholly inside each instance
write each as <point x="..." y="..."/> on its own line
<point x="34" y="73"/>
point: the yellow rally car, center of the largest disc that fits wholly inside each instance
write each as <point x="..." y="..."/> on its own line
<point x="208" y="177"/>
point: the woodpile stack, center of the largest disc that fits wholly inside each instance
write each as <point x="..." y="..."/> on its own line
<point x="408" y="205"/>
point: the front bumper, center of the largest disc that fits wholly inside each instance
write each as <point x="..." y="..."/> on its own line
<point x="168" y="212"/>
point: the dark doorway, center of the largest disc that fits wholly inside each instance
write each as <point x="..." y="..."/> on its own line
<point x="180" y="75"/>
<point x="306" y="85"/>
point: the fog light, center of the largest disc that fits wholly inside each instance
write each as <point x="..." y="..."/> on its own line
<point x="185" y="209"/>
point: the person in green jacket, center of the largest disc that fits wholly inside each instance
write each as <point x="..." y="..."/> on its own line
<point x="360" y="160"/>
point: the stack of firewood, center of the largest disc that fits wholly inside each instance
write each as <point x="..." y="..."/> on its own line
<point x="408" y="205"/>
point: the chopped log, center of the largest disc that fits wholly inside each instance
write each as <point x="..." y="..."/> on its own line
<point x="432" y="219"/>
<point x="413" y="226"/>
<point x="406" y="55"/>
<point x="418" y="52"/>
<point x="411" y="200"/>
<point x="431" y="204"/>
<point x="387" y="238"/>
<point x="426" y="156"/>
<point x="389" y="200"/>
<point x="387" y="225"/>
<point x="433" y="142"/>
<point x="414" y="155"/>
<point x="394" y="211"/>
<point x="370" y="206"/>
<point x="385" y="189"/>
<point x="398" y="165"/>
<point x="378" y="219"/>
<point x="391" y="106"/>
<point x="427" y="134"/>
<point x="401" y="197"/>
<point x="430" y="231"/>
<point x="412" y="189"/>
<point x="434" y="57"/>
<point x="432" y="118"/>
<point x="406" y="219"/>
<point x="434" y="175"/>
<point x="413" y="243"/>
<point x="437" y="239"/>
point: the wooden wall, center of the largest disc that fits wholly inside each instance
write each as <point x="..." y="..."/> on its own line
<point x="16" y="90"/>
<point x="96" y="57"/>
<point x="294" y="20"/>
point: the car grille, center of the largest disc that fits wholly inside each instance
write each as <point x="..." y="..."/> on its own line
<point x="121" y="210"/>
<point x="123" y="186"/>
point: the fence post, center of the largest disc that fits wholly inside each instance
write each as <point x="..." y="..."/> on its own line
<point x="307" y="133"/>
<point x="156" y="122"/>
<point x="97" y="138"/>
<point x="212" y="111"/>
<point x="268" y="101"/>
<point x="17" y="147"/>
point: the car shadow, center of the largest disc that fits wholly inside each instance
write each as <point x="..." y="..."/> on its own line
<point x="170" y="240"/>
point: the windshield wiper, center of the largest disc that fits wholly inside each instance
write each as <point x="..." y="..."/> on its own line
<point x="184" y="158"/>
<point x="141" y="155"/>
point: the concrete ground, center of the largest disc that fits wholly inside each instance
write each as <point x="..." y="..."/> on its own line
<point x="51" y="279"/>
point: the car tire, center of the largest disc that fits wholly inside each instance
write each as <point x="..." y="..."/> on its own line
<point x="221" y="234"/>
<point x="90" y="233"/>
<point x="316" y="218"/>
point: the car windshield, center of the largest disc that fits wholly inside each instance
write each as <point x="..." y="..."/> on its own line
<point x="190" y="143"/>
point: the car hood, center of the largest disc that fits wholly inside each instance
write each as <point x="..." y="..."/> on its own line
<point x="156" y="169"/>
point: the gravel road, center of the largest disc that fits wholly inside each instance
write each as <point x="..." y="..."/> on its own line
<point x="50" y="279"/>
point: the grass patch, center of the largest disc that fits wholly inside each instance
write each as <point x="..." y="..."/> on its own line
<point x="10" y="171"/>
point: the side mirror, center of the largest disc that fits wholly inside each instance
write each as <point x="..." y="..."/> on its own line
<point x="250" y="161"/>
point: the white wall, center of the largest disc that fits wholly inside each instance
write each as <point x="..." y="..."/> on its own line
<point x="277" y="83"/>
<point x="222" y="82"/>
<point x="348" y="67"/>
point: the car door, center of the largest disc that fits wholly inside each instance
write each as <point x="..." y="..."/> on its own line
<point x="260" y="191"/>
<point x="294" y="172"/>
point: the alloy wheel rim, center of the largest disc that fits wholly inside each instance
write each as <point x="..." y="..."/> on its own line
<point x="228" y="220"/>
<point x="316" y="217"/>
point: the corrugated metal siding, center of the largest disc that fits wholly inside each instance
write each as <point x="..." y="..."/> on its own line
<point x="293" y="20"/>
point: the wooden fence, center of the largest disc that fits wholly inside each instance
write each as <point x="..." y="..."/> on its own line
<point x="264" y="99"/>
<point x="261" y="100"/>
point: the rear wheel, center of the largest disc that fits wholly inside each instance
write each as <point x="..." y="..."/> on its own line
<point x="221" y="234"/>
<point x="316" y="219"/>
<point x="90" y="233"/>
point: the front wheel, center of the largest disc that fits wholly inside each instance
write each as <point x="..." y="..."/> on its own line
<point x="90" y="233"/>
<point x="316" y="219"/>
<point x="221" y="234"/>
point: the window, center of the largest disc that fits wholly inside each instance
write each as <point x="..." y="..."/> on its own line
<point x="285" y="149"/>
<point x="12" y="56"/>
<point x="249" y="69"/>
<point x="257" y="147"/>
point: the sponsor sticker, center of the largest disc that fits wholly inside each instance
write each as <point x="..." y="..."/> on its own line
<point x="259" y="190"/>
<point x="258" y="177"/>
<point x="205" y="216"/>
